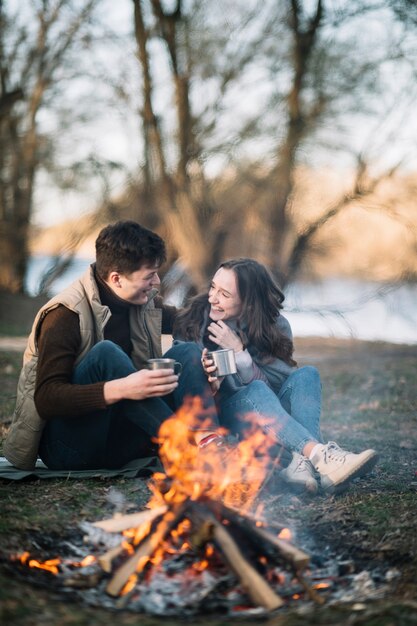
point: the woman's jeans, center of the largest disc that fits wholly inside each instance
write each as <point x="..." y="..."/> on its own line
<point x="292" y="416"/>
<point x="124" y="431"/>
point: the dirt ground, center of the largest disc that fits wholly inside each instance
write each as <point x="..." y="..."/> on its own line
<point x="369" y="400"/>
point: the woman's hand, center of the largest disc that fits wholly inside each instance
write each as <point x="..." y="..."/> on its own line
<point x="225" y="337"/>
<point x="209" y="370"/>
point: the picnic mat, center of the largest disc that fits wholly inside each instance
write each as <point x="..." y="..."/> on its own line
<point x="134" y="469"/>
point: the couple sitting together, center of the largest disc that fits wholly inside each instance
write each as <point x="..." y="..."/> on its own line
<point x="87" y="400"/>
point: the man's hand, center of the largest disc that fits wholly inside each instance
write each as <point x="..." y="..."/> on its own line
<point x="141" y="385"/>
<point x="224" y="337"/>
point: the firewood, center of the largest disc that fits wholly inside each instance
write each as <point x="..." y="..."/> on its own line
<point x="123" y="522"/>
<point x="298" y="558"/>
<point x="146" y="549"/>
<point x="106" y="559"/>
<point x="255" y="586"/>
<point x="256" y="534"/>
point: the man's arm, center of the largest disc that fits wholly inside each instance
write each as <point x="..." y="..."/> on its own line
<point x="55" y="394"/>
<point x="58" y="345"/>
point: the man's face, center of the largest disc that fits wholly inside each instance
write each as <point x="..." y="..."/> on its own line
<point x="135" y="287"/>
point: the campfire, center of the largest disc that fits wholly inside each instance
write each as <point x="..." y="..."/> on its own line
<point x="203" y="534"/>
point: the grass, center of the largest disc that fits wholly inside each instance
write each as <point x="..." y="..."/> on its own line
<point x="10" y="364"/>
<point x="369" y="400"/>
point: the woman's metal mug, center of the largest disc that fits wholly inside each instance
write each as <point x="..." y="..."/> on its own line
<point x="165" y="364"/>
<point x="224" y="360"/>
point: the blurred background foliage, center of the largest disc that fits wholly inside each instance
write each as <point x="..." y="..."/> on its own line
<point x="282" y="131"/>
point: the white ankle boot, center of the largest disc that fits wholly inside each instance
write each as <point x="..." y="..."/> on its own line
<point x="338" y="467"/>
<point x="300" y="474"/>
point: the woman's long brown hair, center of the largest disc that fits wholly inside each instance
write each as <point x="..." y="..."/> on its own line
<point x="261" y="304"/>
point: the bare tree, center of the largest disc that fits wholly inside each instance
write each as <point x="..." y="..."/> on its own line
<point x="315" y="81"/>
<point x="33" y="54"/>
<point x="327" y="83"/>
<point x="175" y="178"/>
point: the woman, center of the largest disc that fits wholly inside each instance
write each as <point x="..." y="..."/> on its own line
<point x="242" y="311"/>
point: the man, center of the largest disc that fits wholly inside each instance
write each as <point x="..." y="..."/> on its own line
<point x="85" y="397"/>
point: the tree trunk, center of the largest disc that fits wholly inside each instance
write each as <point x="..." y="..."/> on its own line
<point x="279" y="212"/>
<point x="13" y="255"/>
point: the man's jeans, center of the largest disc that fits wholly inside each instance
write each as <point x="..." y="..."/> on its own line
<point x="124" y="431"/>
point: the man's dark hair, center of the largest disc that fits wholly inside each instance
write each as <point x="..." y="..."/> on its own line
<point x="125" y="247"/>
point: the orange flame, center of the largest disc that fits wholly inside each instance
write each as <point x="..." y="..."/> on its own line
<point x="51" y="565"/>
<point x="321" y="585"/>
<point x="131" y="582"/>
<point x="232" y="475"/>
<point x="88" y="560"/>
<point x="286" y="534"/>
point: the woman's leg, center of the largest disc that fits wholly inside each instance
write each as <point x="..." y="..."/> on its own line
<point x="300" y="395"/>
<point x="257" y="401"/>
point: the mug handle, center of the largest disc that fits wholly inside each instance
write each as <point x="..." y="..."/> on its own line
<point x="177" y="368"/>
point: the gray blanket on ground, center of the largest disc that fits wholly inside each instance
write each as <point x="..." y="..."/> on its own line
<point x="137" y="468"/>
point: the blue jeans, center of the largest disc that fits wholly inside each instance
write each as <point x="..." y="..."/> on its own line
<point x="300" y="396"/>
<point x="124" y="431"/>
<point x="257" y="399"/>
<point x="293" y="415"/>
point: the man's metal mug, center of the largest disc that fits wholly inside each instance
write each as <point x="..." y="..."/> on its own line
<point x="224" y="360"/>
<point x="165" y="364"/>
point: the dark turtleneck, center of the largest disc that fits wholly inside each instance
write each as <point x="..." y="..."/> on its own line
<point x="117" y="328"/>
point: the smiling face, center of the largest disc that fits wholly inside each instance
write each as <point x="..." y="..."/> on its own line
<point x="223" y="296"/>
<point x="134" y="287"/>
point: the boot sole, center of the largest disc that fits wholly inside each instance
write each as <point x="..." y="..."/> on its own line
<point x="343" y="484"/>
<point x="299" y="488"/>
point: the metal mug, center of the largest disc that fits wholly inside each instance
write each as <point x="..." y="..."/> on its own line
<point x="165" y="364"/>
<point x="224" y="360"/>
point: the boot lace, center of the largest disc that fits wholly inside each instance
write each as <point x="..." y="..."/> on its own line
<point x="333" y="452"/>
<point x="303" y="465"/>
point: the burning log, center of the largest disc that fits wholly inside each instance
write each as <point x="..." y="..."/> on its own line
<point x="206" y="527"/>
<point x="299" y="559"/>
<point x="255" y="586"/>
<point x="252" y="582"/>
<point x="123" y="522"/>
<point x="266" y="540"/>
<point x="146" y="548"/>
<point x="106" y="560"/>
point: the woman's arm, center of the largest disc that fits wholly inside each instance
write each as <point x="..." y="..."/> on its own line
<point x="247" y="369"/>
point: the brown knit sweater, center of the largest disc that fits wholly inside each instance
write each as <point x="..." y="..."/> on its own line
<point x="59" y="342"/>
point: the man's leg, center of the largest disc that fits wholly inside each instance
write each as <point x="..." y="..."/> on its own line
<point x="108" y="438"/>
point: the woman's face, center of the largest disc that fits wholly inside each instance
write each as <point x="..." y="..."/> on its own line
<point x="223" y="296"/>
